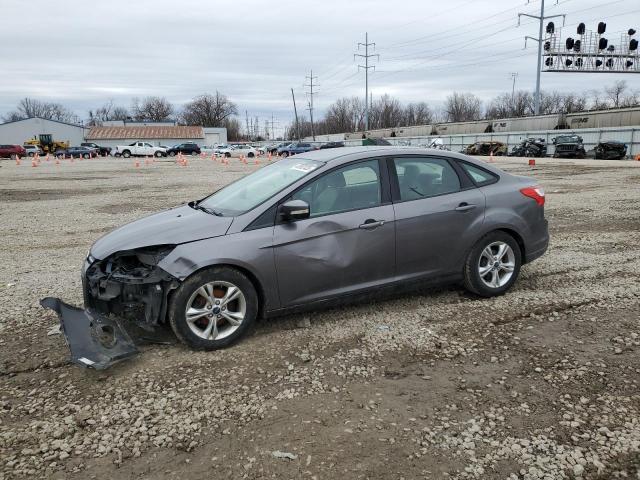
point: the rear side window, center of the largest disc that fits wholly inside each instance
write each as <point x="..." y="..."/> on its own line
<point x="425" y="177"/>
<point x="479" y="175"/>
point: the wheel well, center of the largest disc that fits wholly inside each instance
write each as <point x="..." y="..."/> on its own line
<point x="516" y="236"/>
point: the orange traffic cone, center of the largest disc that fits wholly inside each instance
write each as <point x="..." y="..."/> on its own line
<point x="34" y="163"/>
<point x="47" y="157"/>
<point x="491" y="157"/>
<point x="137" y="164"/>
<point x="257" y="161"/>
<point x="17" y="159"/>
<point x="57" y="162"/>
<point x="269" y="157"/>
<point x="532" y="162"/>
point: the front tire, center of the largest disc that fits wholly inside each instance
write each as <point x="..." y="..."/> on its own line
<point x="126" y="154"/>
<point x="213" y="308"/>
<point x="158" y="154"/>
<point x="493" y="265"/>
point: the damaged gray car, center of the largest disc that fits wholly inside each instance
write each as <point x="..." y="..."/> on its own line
<point x="302" y="232"/>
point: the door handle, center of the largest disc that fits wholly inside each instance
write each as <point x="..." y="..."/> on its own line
<point x="370" y="224"/>
<point x="464" y="206"/>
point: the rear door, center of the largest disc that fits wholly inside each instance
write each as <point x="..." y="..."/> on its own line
<point x="438" y="210"/>
<point x="347" y="244"/>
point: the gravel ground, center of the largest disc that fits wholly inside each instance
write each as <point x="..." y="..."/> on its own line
<point x="539" y="383"/>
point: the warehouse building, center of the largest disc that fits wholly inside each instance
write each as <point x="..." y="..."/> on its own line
<point x="19" y="131"/>
<point x="156" y="134"/>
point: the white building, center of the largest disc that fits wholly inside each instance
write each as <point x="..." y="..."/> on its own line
<point x="19" y="131"/>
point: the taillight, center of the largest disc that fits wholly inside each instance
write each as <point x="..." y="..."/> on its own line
<point x="537" y="193"/>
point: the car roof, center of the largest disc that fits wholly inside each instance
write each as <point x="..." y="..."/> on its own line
<point x="337" y="156"/>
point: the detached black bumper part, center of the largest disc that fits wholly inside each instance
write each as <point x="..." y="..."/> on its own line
<point x="95" y="340"/>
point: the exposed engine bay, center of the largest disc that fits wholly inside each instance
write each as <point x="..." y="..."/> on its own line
<point x="130" y="285"/>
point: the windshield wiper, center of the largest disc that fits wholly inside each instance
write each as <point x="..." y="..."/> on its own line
<point x="208" y="210"/>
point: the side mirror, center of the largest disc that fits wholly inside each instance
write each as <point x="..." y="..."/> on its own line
<point x="294" y="210"/>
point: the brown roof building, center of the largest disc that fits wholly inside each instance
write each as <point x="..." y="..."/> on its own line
<point x="149" y="133"/>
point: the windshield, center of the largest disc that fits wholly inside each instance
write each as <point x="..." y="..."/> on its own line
<point x="568" y="139"/>
<point x="250" y="191"/>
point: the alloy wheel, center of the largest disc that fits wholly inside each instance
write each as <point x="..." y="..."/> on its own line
<point x="496" y="264"/>
<point x="216" y="310"/>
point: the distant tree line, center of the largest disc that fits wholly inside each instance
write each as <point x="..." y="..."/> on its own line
<point x="207" y="110"/>
<point x="347" y="114"/>
<point x="344" y="115"/>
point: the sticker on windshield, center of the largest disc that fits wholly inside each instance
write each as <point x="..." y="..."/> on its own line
<point x="303" y="167"/>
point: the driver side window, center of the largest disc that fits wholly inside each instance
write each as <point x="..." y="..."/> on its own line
<point x="353" y="187"/>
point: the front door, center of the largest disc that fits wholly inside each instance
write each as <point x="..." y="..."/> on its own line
<point x="437" y="212"/>
<point x="347" y="244"/>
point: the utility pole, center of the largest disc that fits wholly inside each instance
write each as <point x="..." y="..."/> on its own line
<point x="296" y="112"/>
<point x="366" y="68"/>
<point x="310" y="77"/>
<point x="514" y="75"/>
<point x="273" y="122"/>
<point x="246" y="116"/>
<point x="541" y="18"/>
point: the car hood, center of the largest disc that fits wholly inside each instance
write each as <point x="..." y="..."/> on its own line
<point x="172" y="227"/>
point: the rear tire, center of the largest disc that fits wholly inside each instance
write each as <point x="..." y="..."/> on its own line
<point x="227" y="154"/>
<point x="250" y="155"/>
<point x="187" y="297"/>
<point x="158" y="154"/>
<point x="486" y="272"/>
<point x="126" y="154"/>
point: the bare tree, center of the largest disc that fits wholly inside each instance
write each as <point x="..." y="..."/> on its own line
<point x="463" y="107"/>
<point x="417" y="114"/>
<point x="208" y="110"/>
<point x="615" y="93"/>
<point x="29" y="107"/>
<point x="233" y="128"/>
<point x="151" y="109"/>
<point x="107" y="112"/>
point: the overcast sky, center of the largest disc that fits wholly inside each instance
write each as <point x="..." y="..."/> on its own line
<point x="83" y="53"/>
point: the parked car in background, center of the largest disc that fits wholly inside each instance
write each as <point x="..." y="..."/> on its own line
<point x="569" y="146"/>
<point x="277" y="149"/>
<point x="102" y="151"/>
<point x="610" y="150"/>
<point x="208" y="149"/>
<point x="487" y="148"/>
<point x="12" y="151"/>
<point x="331" y="145"/>
<point x="318" y="229"/>
<point x="188" y="148"/>
<point x="295" y="148"/>
<point x="139" y="149"/>
<point x="530" y="147"/>
<point x="221" y="148"/>
<point x="76" y="152"/>
<point x="32" y="150"/>
<point x="261" y="150"/>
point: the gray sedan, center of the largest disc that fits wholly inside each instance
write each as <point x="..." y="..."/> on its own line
<point x="313" y="230"/>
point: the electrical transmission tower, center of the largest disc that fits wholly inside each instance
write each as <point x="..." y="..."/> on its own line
<point x="514" y="75"/>
<point x="310" y="77"/>
<point x="273" y="123"/>
<point x="541" y="18"/>
<point x="366" y="68"/>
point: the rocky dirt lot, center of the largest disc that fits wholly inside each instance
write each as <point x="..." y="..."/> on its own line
<point x="540" y="383"/>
